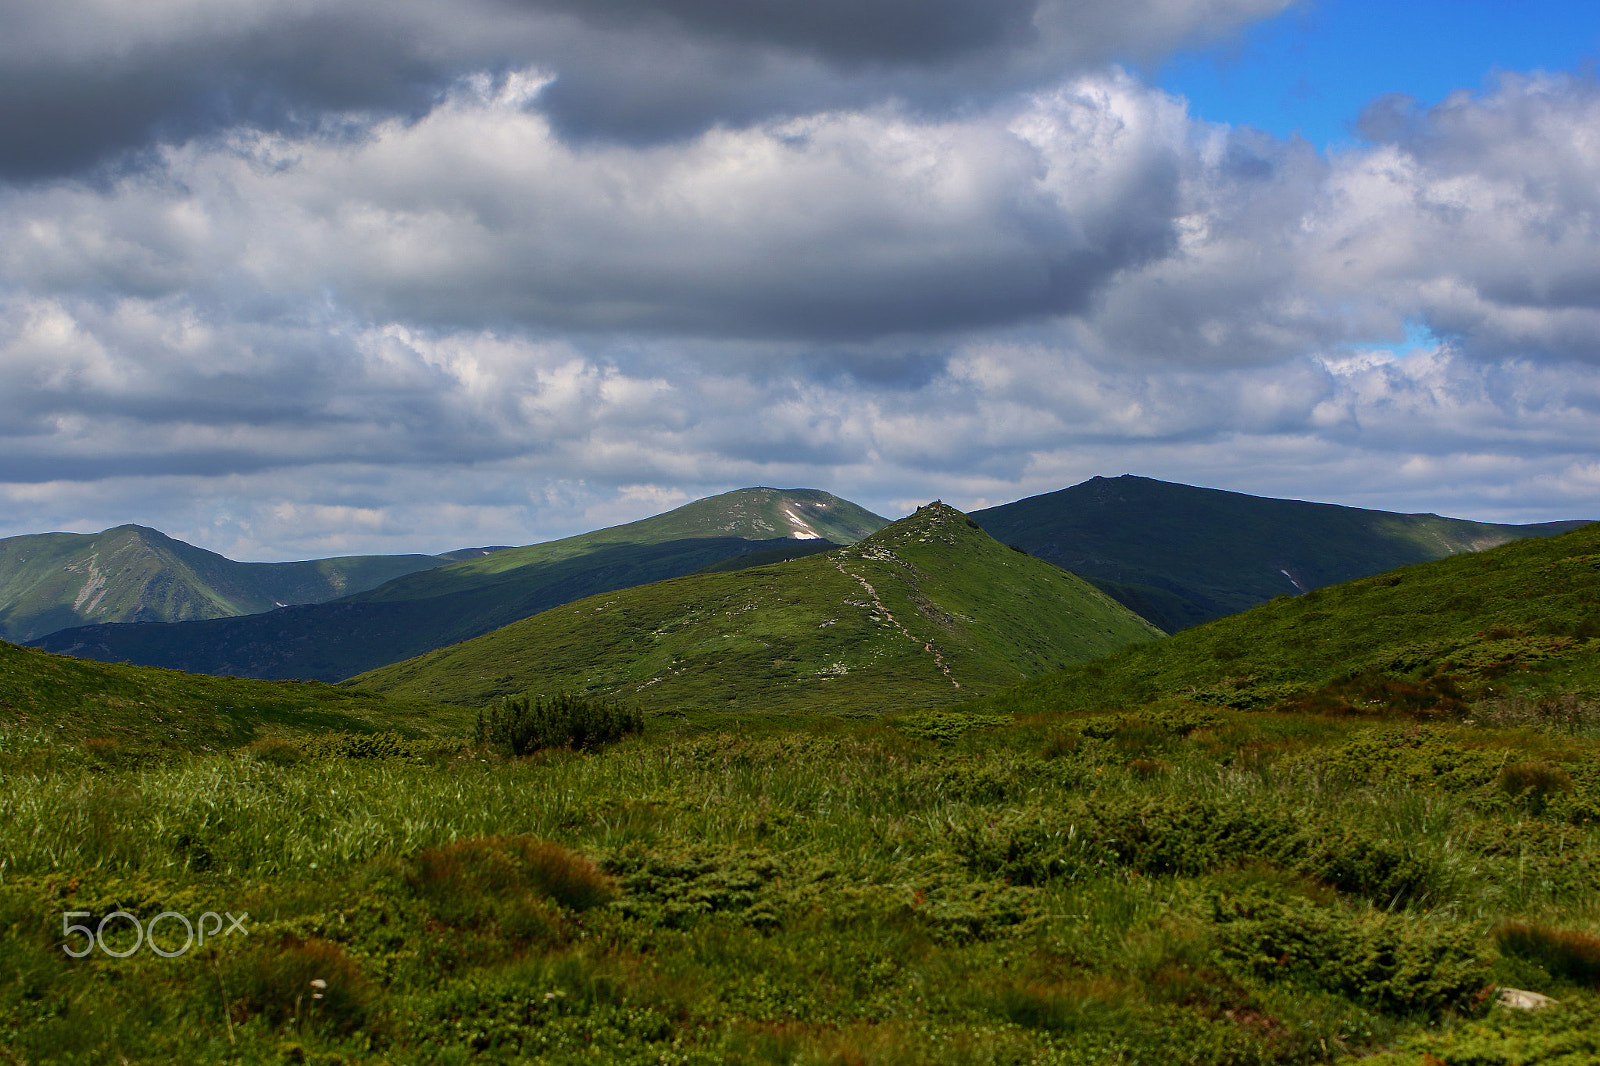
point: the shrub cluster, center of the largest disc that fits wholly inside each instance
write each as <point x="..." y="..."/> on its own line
<point x="520" y="725"/>
<point x="1396" y="964"/>
<point x="1188" y="836"/>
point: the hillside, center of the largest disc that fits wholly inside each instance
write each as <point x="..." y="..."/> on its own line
<point x="53" y="581"/>
<point x="1517" y="621"/>
<point x="137" y="706"/>
<point x="1207" y="874"/>
<point x="1180" y="555"/>
<point x="928" y="610"/>
<point x="427" y="610"/>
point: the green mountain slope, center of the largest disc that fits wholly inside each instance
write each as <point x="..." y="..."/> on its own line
<point x="1180" y="555"/>
<point x="139" y="706"/>
<point x="926" y="611"/>
<point x="427" y="610"/>
<point x="52" y="581"/>
<point x="1509" y="623"/>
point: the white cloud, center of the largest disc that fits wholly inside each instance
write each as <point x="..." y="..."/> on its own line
<point x="462" y="327"/>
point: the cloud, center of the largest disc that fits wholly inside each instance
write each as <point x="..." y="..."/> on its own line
<point x="841" y="225"/>
<point x="461" y="324"/>
<point x="88" y="81"/>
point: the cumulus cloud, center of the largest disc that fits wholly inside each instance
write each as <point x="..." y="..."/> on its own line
<point x="841" y="224"/>
<point x="295" y="337"/>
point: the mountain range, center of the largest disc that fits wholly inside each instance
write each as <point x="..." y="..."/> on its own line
<point x="52" y="581"/>
<point x="1174" y="554"/>
<point x="426" y="610"/>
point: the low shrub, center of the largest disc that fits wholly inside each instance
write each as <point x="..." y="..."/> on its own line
<point x="473" y="881"/>
<point x="1533" y="782"/>
<point x="1397" y="965"/>
<point x="1187" y="837"/>
<point x="520" y="725"/>
<point x="276" y="751"/>
<point x="305" y="983"/>
<point x="1569" y="954"/>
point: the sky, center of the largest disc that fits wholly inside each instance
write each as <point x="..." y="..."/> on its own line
<point x="298" y="278"/>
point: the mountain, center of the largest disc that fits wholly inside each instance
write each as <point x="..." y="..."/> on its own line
<point x="1515" y="622"/>
<point x="51" y="581"/>
<point x="1180" y="555"/>
<point x="426" y="610"/>
<point x="928" y="610"/>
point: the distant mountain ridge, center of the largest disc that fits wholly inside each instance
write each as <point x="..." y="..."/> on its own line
<point x="1181" y="555"/>
<point x="428" y="609"/>
<point x="130" y="573"/>
<point x="929" y="610"/>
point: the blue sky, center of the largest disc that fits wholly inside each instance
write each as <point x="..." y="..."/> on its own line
<point x="339" y="276"/>
<point x="1313" y="68"/>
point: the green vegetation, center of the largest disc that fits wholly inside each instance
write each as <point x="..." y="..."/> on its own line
<point x="53" y="581"/>
<point x="1180" y="555"/>
<point x="1511" y="632"/>
<point x="1333" y="829"/>
<point x="132" y="713"/>
<point x="1203" y="885"/>
<point x="427" y="610"/>
<point x="929" y="610"/>
<point x="523" y="725"/>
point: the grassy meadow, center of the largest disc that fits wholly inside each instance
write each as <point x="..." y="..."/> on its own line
<point x="1312" y="849"/>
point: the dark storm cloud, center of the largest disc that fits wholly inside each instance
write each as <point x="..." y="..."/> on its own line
<point x="890" y="32"/>
<point x="64" y="108"/>
<point x="83" y="82"/>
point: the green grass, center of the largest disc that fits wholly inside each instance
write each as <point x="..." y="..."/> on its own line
<point x="929" y="610"/>
<point x="1497" y="630"/>
<point x="142" y="709"/>
<point x="852" y="891"/>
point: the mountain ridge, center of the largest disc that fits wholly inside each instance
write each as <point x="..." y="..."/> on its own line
<point x="132" y="573"/>
<point x="423" y="610"/>
<point x="926" y="611"/>
<point x="1181" y="554"/>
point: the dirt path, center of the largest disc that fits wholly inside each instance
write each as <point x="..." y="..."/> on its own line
<point x="927" y="646"/>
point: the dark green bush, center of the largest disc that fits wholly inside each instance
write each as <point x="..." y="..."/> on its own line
<point x="1395" y="964"/>
<point x="519" y="725"/>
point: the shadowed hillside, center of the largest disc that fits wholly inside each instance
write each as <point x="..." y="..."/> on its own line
<point x="1180" y="555"/>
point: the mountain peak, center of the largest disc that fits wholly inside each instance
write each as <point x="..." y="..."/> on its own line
<point x="935" y="522"/>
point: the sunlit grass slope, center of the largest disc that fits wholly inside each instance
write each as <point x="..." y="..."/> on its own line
<point x="929" y="610"/>
<point x="1522" y="618"/>
<point x="422" y="611"/>
<point x="150" y="708"/>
